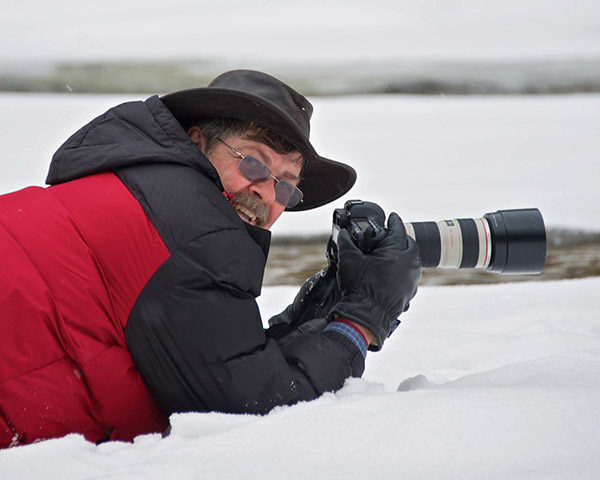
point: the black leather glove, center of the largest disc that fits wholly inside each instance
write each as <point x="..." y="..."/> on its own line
<point x="310" y="310"/>
<point x="376" y="287"/>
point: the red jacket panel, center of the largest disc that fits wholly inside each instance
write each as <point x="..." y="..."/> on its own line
<point x="75" y="257"/>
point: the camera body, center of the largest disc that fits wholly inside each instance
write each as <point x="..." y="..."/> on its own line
<point x="365" y="221"/>
<point x="506" y="241"/>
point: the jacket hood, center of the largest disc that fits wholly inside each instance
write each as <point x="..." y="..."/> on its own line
<point x="128" y="134"/>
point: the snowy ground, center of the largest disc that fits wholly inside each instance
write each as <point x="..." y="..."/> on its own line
<point x="514" y="374"/>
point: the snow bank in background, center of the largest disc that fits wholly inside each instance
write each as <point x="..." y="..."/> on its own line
<point x="514" y="374"/>
<point x="429" y="158"/>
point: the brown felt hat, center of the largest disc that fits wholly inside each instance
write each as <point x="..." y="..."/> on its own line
<point x="265" y="100"/>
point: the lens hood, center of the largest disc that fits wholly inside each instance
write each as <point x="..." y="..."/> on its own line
<point x="518" y="241"/>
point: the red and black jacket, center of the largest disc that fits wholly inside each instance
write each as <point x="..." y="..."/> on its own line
<point x="128" y="293"/>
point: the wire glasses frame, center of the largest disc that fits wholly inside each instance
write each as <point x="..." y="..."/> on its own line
<point x="256" y="171"/>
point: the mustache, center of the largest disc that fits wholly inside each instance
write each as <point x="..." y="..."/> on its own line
<point x="256" y="207"/>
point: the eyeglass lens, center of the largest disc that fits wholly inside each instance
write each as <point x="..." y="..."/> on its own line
<point x="256" y="171"/>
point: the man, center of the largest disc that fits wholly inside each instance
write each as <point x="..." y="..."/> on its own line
<point x="129" y="285"/>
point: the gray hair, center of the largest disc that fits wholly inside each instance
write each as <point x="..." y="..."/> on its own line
<point x="214" y="128"/>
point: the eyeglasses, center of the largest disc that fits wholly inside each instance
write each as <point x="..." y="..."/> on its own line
<point x="257" y="171"/>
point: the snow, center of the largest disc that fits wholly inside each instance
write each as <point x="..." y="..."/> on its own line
<point x="298" y="31"/>
<point x="514" y="372"/>
<point x="498" y="381"/>
<point x="428" y="158"/>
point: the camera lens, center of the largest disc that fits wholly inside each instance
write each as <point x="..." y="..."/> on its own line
<point x="506" y="241"/>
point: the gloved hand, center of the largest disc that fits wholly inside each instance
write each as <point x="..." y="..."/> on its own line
<point x="310" y="310"/>
<point x="377" y="287"/>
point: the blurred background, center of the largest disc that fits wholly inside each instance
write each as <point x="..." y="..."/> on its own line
<point x="488" y="104"/>
<point x="322" y="47"/>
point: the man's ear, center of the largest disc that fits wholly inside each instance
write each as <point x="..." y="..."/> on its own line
<point x="197" y="136"/>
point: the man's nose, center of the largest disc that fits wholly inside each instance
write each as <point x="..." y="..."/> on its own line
<point x="265" y="190"/>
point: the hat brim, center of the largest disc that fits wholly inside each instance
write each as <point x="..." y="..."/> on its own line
<point x="322" y="181"/>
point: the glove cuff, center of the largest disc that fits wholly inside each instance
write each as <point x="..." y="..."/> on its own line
<point x="351" y="332"/>
<point x="362" y="310"/>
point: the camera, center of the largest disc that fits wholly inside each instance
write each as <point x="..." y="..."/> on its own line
<point x="506" y="241"/>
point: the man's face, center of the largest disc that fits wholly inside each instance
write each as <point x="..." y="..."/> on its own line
<point x="255" y="203"/>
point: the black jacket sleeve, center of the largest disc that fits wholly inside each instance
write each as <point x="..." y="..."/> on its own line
<point x="197" y="338"/>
